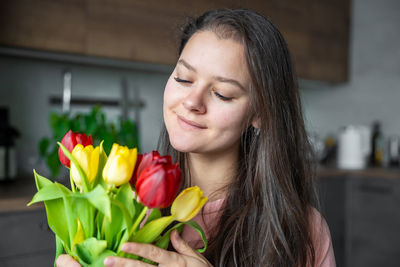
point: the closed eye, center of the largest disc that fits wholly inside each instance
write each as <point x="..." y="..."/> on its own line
<point x="223" y="98"/>
<point x="181" y="81"/>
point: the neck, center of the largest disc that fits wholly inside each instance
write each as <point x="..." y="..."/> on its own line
<point x="212" y="172"/>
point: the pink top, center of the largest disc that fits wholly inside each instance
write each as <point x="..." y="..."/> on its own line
<point x="324" y="256"/>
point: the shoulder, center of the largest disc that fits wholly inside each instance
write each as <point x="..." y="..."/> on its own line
<point x="324" y="255"/>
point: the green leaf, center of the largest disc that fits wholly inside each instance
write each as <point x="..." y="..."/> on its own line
<point x="125" y="196"/>
<point x="56" y="219"/>
<point x="148" y="261"/>
<point x="112" y="227"/>
<point x="59" y="249"/>
<point x="41" y="181"/>
<point x="123" y="212"/>
<point x="155" y="214"/>
<point x="83" y="210"/>
<point x="99" y="198"/>
<point x="102" y="162"/>
<point x="89" y="250"/>
<point x="58" y="210"/>
<point x="120" y="238"/>
<point x="99" y="225"/>
<point x="99" y="262"/>
<point x="50" y="192"/>
<point x="71" y="220"/>
<point x="163" y="241"/>
<point x="200" y="231"/>
<point x="152" y="230"/>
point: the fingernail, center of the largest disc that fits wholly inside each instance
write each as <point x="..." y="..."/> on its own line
<point x="176" y="234"/>
<point x="109" y="262"/>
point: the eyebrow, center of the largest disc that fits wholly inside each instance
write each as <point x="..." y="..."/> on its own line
<point x="218" y="78"/>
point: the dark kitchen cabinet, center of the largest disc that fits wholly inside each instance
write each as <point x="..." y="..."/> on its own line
<point x="373" y="229"/>
<point x="317" y="32"/>
<point x="332" y="197"/>
<point x="363" y="214"/>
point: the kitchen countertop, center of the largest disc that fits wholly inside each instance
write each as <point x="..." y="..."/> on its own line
<point x="390" y="173"/>
<point x="15" y="195"/>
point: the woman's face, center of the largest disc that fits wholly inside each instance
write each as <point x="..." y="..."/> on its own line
<point x="206" y="97"/>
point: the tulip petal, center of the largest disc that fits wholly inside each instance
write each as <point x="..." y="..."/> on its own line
<point x="79" y="236"/>
<point x="187" y="204"/>
<point x="79" y="169"/>
<point x="94" y="163"/>
<point x="69" y="141"/>
<point x="147" y="160"/>
<point x="152" y="191"/>
<point x="120" y="165"/>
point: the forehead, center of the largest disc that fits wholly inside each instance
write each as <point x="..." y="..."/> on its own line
<point x="214" y="56"/>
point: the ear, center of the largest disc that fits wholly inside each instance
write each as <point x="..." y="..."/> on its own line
<point x="256" y="123"/>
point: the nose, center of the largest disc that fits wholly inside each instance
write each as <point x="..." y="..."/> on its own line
<point x="194" y="101"/>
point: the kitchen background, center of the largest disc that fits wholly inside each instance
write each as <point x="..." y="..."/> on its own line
<point x="371" y="92"/>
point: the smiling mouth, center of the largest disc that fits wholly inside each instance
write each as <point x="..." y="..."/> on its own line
<point x="188" y="124"/>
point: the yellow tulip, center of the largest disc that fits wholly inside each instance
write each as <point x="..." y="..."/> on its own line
<point x="88" y="159"/>
<point x="120" y="165"/>
<point x="187" y="204"/>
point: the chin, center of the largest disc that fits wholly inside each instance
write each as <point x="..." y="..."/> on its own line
<point x="180" y="145"/>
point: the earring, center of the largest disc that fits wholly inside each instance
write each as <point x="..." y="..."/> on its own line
<point x="257" y="131"/>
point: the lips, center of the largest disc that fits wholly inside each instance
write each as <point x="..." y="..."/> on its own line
<point x="188" y="124"/>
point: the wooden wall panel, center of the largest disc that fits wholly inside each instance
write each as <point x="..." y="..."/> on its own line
<point x="43" y="24"/>
<point x="317" y="31"/>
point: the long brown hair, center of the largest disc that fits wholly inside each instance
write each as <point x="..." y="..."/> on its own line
<point x="267" y="214"/>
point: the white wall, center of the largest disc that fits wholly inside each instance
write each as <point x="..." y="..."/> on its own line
<point x="26" y="85"/>
<point x="373" y="91"/>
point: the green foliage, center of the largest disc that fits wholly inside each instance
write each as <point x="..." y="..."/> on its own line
<point x="123" y="132"/>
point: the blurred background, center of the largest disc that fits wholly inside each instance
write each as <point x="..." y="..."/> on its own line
<point x="100" y="66"/>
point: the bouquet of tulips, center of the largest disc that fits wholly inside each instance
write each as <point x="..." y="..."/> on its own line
<point x="114" y="199"/>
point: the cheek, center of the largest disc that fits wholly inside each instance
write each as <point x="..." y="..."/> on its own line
<point x="172" y="95"/>
<point x="170" y="98"/>
<point x="230" y="120"/>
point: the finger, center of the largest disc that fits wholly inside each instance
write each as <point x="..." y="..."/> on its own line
<point x="150" y="252"/>
<point x="124" y="262"/>
<point x="66" y="261"/>
<point x="181" y="246"/>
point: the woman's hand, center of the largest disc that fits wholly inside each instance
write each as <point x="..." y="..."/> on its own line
<point x="66" y="261"/>
<point x="185" y="255"/>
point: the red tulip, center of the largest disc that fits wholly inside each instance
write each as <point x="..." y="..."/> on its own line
<point x="158" y="180"/>
<point x="132" y="181"/>
<point x="70" y="140"/>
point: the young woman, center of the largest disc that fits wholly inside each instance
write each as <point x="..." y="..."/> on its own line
<point x="233" y="120"/>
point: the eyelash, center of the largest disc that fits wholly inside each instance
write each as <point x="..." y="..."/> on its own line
<point x="181" y="81"/>
<point x="223" y="98"/>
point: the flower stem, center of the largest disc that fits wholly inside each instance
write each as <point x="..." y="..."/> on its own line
<point x="72" y="184"/>
<point x="138" y="221"/>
